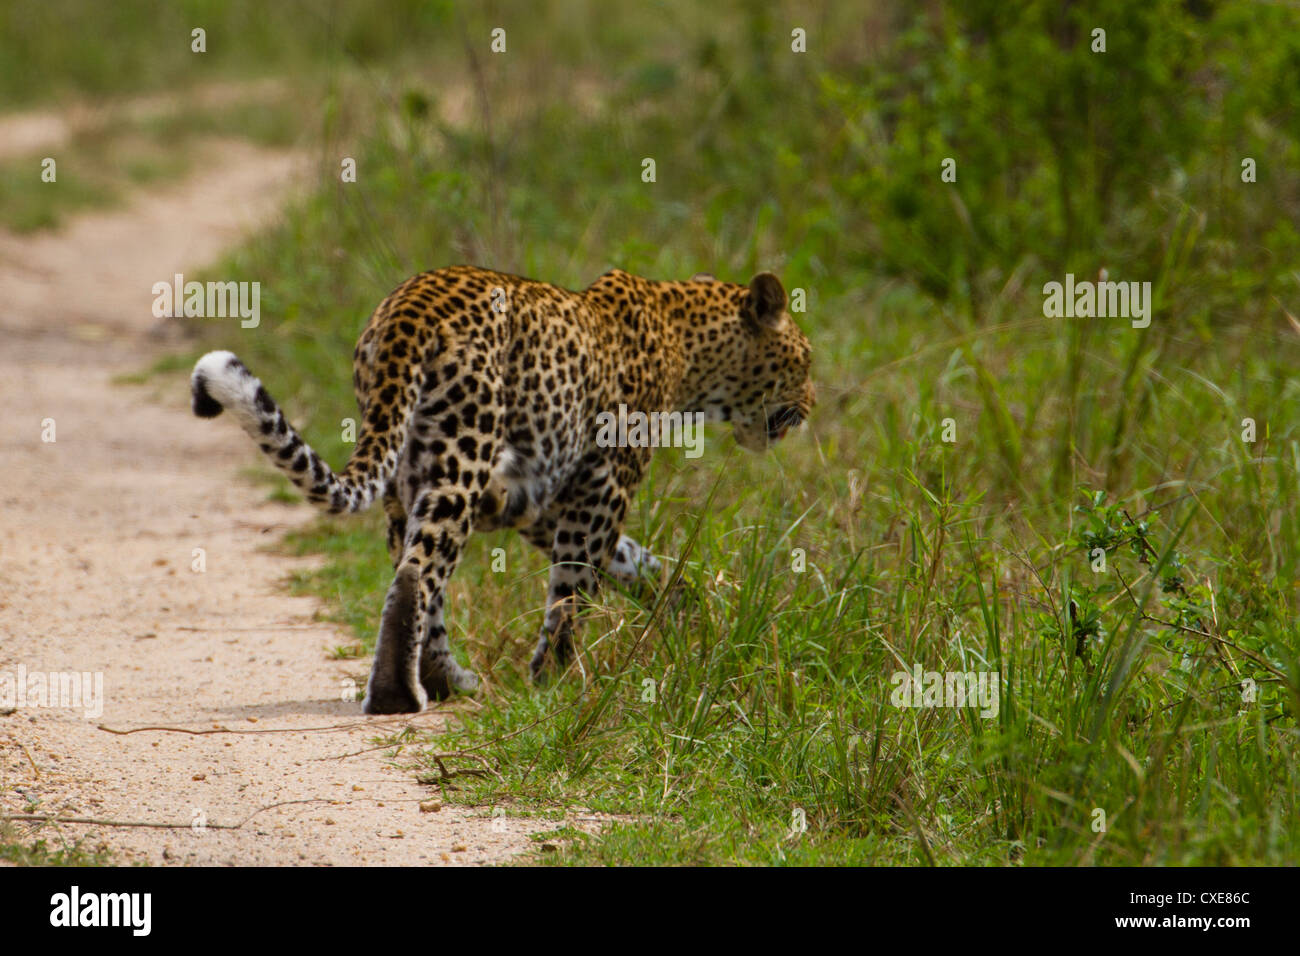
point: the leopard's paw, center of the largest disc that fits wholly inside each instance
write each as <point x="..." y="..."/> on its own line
<point x="442" y="680"/>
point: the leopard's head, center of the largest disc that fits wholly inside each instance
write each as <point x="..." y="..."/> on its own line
<point x="774" y="392"/>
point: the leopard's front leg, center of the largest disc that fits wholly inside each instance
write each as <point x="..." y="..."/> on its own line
<point x="632" y="562"/>
<point x="588" y="530"/>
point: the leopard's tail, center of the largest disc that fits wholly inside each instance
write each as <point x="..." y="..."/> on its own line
<point x="221" y="381"/>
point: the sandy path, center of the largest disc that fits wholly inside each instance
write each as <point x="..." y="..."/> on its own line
<point x="43" y="130"/>
<point x="97" y="532"/>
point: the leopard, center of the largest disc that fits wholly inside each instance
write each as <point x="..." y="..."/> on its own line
<point x="478" y="395"/>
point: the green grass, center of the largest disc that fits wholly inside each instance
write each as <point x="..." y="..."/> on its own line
<point x="28" y="204"/>
<point x="271" y="76"/>
<point x="51" y="50"/>
<point x="165" y="366"/>
<point x="21" y="850"/>
<point x="771" y="736"/>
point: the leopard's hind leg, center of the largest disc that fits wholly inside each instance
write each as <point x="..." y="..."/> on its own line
<point x="439" y="488"/>
<point x="413" y="662"/>
<point x="394" y="685"/>
<point x="395" y="512"/>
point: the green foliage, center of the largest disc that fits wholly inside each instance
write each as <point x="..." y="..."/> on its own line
<point x="1066" y="157"/>
<point x="1251" y="655"/>
<point x="19" y="849"/>
<point x="53" y="48"/>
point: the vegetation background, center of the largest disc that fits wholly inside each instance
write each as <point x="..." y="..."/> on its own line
<point x="743" y="714"/>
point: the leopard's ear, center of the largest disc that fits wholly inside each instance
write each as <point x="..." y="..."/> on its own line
<point x="764" y="302"/>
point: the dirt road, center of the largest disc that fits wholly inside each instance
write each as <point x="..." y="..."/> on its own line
<point x="98" y="531"/>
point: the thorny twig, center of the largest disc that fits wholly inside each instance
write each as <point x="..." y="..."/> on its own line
<point x="1143" y="615"/>
<point x="96" y="821"/>
<point x="356" y="725"/>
